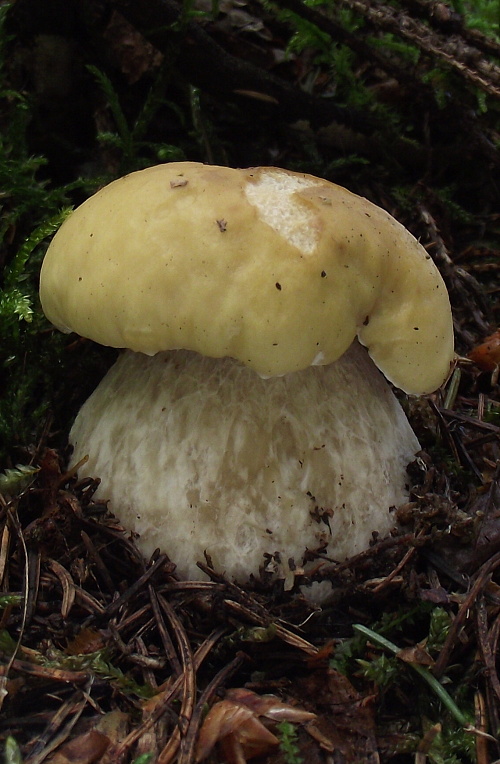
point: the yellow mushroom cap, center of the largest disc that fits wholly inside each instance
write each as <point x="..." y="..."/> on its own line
<point x="279" y="270"/>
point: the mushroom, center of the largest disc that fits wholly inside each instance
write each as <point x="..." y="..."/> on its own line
<point x="248" y="420"/>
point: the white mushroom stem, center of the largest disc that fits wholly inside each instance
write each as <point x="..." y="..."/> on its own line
<point x="202" y="455"/>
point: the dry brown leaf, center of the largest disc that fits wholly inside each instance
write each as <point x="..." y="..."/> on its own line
<point x="233" y="723"/>
<point x="487" y="355"/>
<point x="345" y="718"/>
<point x="133" y="53"/>
<point x="269" y="706"/>
<point x="415" y="654"/>
<point x="224" y="718"/>
<point x="86" y="641"/>
<point x="84" y="749"/>
<point x="252" y="739"/>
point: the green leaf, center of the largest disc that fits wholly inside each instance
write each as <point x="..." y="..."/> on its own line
<point x="43" y="231"/>
<point x="9" y="599"/>
<point x="438" y="628"/>
<point x="14" y="480"/>
<point x="144" y="758"/>
<point x="8" y="646"/>
<point x="287" y="733"/>
<point x="13" y="303"/>
<point x="12" y="751"/>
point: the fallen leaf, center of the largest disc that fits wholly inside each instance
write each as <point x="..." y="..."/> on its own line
<point x="415" y="654"/>
<point x="269" y="706"/>
<point x="84" y="749"/>
<point x="252" y="739"/>
<point x="86" y="641"/>
<point x="233" y="724"/>
<point x="487" y="355"/>
<point x="223" y="718"/>
<point x="345" y="717"/>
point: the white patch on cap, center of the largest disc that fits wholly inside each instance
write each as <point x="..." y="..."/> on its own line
<point x="274" y="196"/>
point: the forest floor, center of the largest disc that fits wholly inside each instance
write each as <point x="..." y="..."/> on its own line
<point x="109" y="657"/>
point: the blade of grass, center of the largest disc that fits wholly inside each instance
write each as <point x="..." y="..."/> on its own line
<point x="426" y="675"/>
